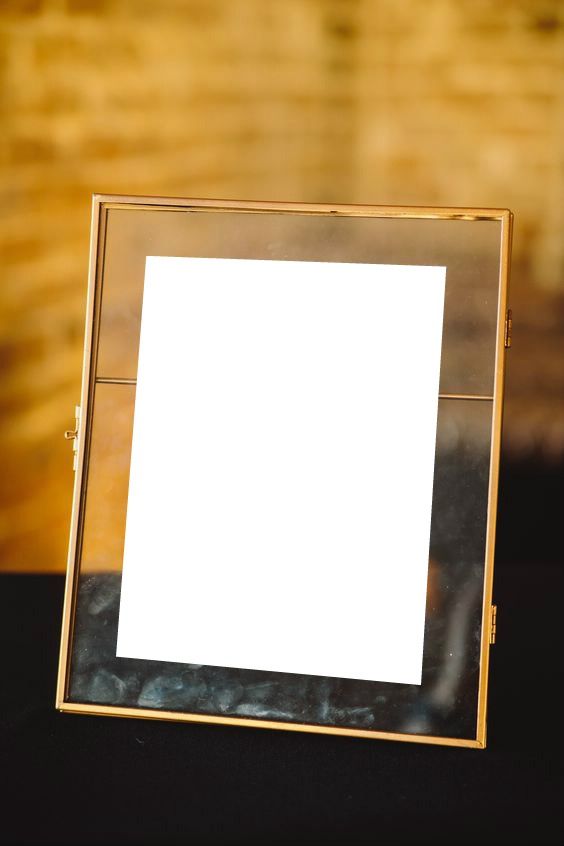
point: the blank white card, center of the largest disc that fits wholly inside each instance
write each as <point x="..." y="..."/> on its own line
<point x="281" y="479"/>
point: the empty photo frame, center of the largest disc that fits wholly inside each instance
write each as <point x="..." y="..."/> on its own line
<point x="286" y="456"/>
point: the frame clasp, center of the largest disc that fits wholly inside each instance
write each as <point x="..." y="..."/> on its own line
<point x="493" y="624"/>
<point x="73" y="435"/>
<point x="508" y="328"/>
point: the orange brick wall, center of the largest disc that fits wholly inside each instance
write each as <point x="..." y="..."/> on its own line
<point x="455" y="102"/>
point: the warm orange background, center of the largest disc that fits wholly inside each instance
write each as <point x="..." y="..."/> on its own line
<point x="444" y="102"/>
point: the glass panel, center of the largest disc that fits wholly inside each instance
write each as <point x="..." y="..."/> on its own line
<point x="108" y="479"/>
<point x="446" y="702"/>
<point x="469" y="249"/>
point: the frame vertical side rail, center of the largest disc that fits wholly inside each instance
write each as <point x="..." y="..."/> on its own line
<point x="95" y="276"/>
<point x="495" y="451"/>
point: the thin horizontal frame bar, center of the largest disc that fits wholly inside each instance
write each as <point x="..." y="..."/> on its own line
<point x="110" y="380"/>
<point x="141" y="203"/>
<point x="247" y="722"/>
<point x="479" y="397"/>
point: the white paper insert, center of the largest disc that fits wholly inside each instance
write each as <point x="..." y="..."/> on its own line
<point x="282" y="468"/>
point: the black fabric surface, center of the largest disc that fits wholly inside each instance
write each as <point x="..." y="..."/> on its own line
<point x="90" y="780"/>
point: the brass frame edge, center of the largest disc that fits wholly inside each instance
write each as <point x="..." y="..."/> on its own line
<point x="100" y="205"/>
<point x="249" y="722"/>
<point x="98" y="222"/>
<point x="131" y="201"/>
<point x="495" y="456"/>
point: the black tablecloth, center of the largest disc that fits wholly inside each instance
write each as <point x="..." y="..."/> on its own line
<point x="88" y="780"/>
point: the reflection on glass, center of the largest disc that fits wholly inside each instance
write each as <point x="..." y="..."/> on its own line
<point x="108" y="478"/>
<point x="469" y="249"/>
<point x="444" y="705"/>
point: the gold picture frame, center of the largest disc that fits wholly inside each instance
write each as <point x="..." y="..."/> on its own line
<point x="143" y="222"/>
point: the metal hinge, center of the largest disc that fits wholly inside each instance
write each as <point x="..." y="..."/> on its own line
<point x="508" y="328"/>
<point x="493" y="624"/>
<point x="73" y="435"/>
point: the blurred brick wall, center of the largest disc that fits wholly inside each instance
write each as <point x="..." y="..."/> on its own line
<point x="454" y="102"/>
